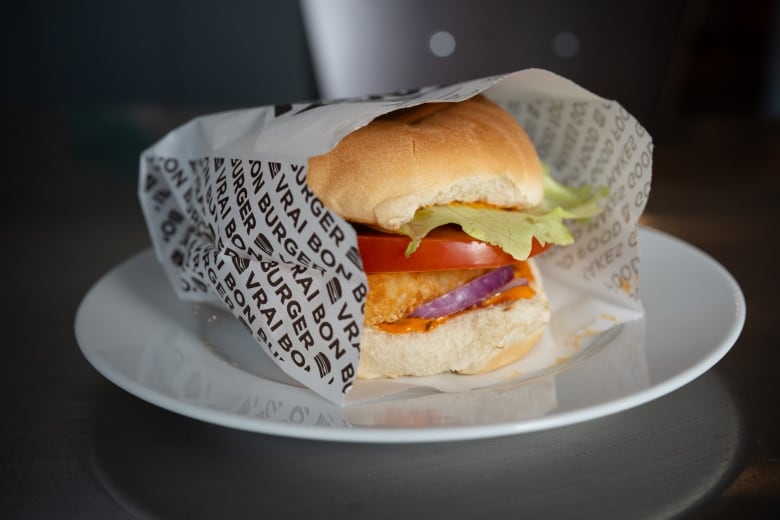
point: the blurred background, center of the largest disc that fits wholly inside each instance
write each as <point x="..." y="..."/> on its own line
<point x="661" y="59"/>
<point x="88" y="84"/>
<point x="100" y="81"/>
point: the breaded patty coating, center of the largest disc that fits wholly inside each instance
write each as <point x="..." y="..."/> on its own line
<point x="393" y="295"/>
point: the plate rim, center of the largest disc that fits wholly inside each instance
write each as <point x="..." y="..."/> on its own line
<point x="384" y="434"/>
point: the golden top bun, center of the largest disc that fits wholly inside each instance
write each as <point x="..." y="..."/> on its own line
<point x="436" y="153"/>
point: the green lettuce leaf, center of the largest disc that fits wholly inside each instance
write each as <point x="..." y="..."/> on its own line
<point x="513" y="230"/>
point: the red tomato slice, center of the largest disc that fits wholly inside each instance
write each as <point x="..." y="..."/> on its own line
<point x="442" y="249"/>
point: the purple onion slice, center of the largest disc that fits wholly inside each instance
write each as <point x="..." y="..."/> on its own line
<point x="466" y="295"/>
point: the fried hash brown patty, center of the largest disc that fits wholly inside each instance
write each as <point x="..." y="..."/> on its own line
<point x="393" y="295"/>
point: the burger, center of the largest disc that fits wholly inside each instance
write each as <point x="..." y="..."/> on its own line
<point x="451" y="203"/>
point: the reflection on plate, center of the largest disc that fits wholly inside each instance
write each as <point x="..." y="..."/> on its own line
<point x="135" y="332"/>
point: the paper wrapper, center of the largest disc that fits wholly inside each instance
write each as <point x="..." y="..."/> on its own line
<point x="234" y="224"/>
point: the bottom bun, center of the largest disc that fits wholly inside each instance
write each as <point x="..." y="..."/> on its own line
<point x="474" y="342"/>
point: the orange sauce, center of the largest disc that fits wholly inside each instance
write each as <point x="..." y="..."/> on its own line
<point x="522" y="270"/>
<point x="481" y="205"/>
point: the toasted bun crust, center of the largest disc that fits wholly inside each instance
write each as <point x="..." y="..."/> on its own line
<point x="471" y="151"/>
<point x="474" y="342"/>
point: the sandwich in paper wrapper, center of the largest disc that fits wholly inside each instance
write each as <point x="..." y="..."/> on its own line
<point x="237" y="222"/>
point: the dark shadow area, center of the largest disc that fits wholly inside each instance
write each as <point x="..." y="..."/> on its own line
<point x="160" y="465"/>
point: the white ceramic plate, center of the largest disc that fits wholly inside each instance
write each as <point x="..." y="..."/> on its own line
<point x="196" y="361"/>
